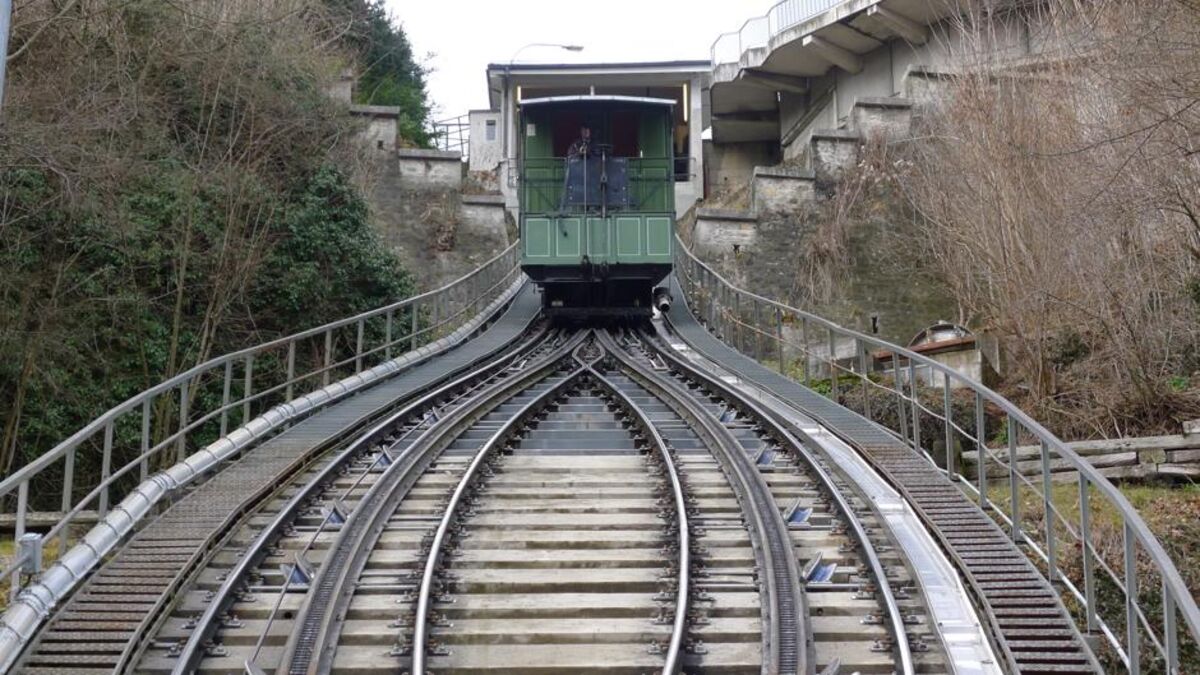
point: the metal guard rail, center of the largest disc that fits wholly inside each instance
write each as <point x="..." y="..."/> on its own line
<point x="758" y="31"/>
<point x="754" y="325"/>
<point x="176" y="410"/>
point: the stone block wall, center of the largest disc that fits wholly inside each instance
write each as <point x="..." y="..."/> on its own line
<point x="429" y="169"/>
<point x="780" y="189"/>
<point x="720" y="233"/>
<point x="833" y="151"/>
<point x="888" y="117"/>
<point x="484" y="216"/>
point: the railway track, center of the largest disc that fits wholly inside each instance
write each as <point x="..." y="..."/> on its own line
<point x="571" y="504"/>
<point x="579" y="501"/>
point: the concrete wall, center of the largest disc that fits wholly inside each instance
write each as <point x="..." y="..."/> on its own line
<point x="730" y="166"/>
<point x="429" y="169"/>
<point x="485" y="154"/>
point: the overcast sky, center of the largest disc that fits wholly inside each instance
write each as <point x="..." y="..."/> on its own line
<point x="465" y="35"/>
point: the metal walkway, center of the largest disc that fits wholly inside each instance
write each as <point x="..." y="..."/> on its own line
<point x="128" y="593"/>
<point x="1029" y="623"/>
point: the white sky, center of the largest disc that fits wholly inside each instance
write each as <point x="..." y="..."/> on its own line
<point x="465" y="35"/>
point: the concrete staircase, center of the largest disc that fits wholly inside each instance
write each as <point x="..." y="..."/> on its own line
<point x="818" y="156"/>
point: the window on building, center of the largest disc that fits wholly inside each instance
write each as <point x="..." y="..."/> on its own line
<point x="491" y="130"/>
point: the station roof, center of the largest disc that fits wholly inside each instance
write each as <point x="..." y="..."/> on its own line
<point x="640" y="74"/>
<point x="597" y="99"/>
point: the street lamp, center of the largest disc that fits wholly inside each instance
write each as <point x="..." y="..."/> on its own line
<point x="570" y="48"/>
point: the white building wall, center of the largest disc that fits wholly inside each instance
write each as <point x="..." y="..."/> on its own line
<point x="487" y="146"/>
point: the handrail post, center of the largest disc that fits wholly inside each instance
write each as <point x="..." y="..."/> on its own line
<point x="807" y="351"/>
<point x="387" y="336"/>
<point x="412" y="335"/>
<point x="861" y="348"/>
<point x="226" y="393"/>
<point x="1085" y="536"/>
<point x="759" y="352"/>
<point x="247" y="387"/>
<point x="1131" y="618"/>
<point x="1170" y="636"/>
<point x="435" y="318"/>
<point x="1014" y="510"/>
<point x="737" y="320"/>
<point x="291" y="370"/>
<point x="67" y="494"/>
<point x="948" y="418"/>
<point x="18" y="532"/>
<point x="106" y="468"/>
<point x="358" y="348"/>
<point x="1048" y="511"/>
<point x="916" y="407"/>
<point x="898" y="385"/>
<point x="833" y="368"/>
<point x="779" y="340"/>
<point x="981" y="450"/>
<point x="181" y="442"/>
<point x="328" y="357"/>
<point x="147" y="416"/>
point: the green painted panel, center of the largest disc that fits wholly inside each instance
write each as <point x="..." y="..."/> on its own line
<point x="569" y="238"/>
<point x="537" y="136"/>
<point x="629" y="237"/>
<point x="539" y="232"/>
<point x="599" y="239"/>
<point x="658" y="236"/>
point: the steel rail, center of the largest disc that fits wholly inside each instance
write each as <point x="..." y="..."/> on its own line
<point x="207" y="624"/>
<point x="788" y="635"/>
<point x="1177" y="597"/>
<point x="309" y="648"/>
<point x="674" y="660"/>
<point x="891" y="606"/>
<point x="425" y="589"/>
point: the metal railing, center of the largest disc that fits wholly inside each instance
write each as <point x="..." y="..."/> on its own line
<point x="648" y="180"/>
<point x="168" y="422"/>
<point x="760" y="30"/>
<point x="1132" y="600"/>
<point x="454" y="134"/>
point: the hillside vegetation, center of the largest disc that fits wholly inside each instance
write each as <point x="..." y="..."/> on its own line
<point x="174" y="184"/>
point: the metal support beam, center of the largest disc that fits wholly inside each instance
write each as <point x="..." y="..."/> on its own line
<point x="764" y="116"/>
<point x="899" y="24"/>
<point x="774" y="81"/>
<point x="839" y="56"/>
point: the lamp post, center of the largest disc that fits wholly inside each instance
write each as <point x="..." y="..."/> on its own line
<point x="5" y="25"/>
<point x="506" y="115"/>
